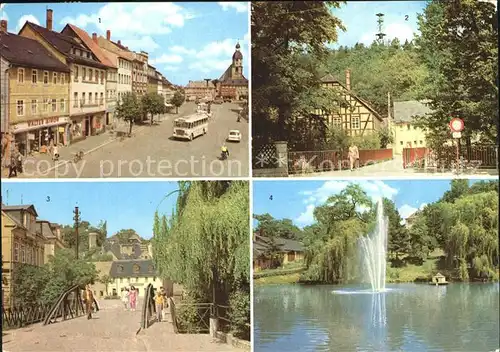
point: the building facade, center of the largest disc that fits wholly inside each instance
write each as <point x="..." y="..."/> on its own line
<point x="140" y="73"/>
<point x="152" y="80"/>
<point x="199" y="90"/>
<point x="53" y="240"/>
<point x="404" y="130"/>
<point x="356" y="117"/>
<point x="88" y="76"/>
<point x="124" y="63"/>
<point x="38" y="94"/>
<point x="22" y="244"/>
<point x="233" y="85"/>
<point x="137" y="273"/>
<point x="4" y="87"/>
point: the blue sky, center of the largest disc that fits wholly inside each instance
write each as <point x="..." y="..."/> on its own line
<point x="185" y="41"/>
<point x="360" y="20"/>
<point x="123" y="205"/>
<point x="296" y="200"/>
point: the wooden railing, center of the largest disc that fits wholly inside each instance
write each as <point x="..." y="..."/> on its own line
<point x="19" y="316"/>
<point x="148" y="314"/>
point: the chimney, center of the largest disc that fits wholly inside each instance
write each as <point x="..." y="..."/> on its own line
<point x="94" y="37"/>
<point x="108" y="34"/>
<point x="348" y="79"/>
<point x="3" y="26"/>
<point x="49" y="19"/>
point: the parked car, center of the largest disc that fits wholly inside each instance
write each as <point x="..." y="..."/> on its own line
<point x="218" y="100"/>
<point x="234" y="136"/>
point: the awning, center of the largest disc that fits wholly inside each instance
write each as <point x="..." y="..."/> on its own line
<point x="32" y="128"/>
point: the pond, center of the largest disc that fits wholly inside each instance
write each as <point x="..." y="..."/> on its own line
<point x="407" y="317"/>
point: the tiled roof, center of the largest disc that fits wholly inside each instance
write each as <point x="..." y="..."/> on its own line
<point x="200" y="84"/>
<point x="96" y="50"/>
<point x="119" y="50"/>
<point x="406" y="111"/>
<point x="226" y="79"/>
<point x="45" y="229"/>
<point x="64" y="44"/>
<point x="329" y="78"/>
<point x="27" y="52"/>
<point x="125" y="268"/>
<point x="285" y="245"/>
<point x="115" y="248"/>
<point x="113" y="57"/>
<point x="19" y="207"/>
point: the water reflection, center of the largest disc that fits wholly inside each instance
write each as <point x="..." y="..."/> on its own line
<point x="406" y="317"/>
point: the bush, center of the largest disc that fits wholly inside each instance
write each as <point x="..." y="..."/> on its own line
<point x="240" y="314"/>
<point x="188" y="319"/>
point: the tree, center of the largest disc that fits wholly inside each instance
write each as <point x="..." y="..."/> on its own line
<point x="125" y="235"/>
<point x="106" y="280"/>
<point x="271" y="227"/>
<point x="385" y="136"/>
<point x="129" y="110"/>
<point x="398" y="236"/>
<point x="153" y="104"/>
<point x="458" y="188"/>
<point x="177" y="100"/>
<point x="458" y="43"/>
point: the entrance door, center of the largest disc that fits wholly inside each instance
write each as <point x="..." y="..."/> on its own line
<point x="107" y="118"/>
<point x="87" y="126"/>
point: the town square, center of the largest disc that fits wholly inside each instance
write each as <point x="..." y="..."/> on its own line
<point x="83" y="99"/>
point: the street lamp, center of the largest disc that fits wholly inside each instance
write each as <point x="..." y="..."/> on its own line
<point x="77" y="224"/>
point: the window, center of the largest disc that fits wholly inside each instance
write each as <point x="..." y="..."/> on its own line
<point x="45" y="77"/>
<point x="16" y="252"/>
<point x="90" y="98"/>
<point x="54" y="105"/>
<point x="34" y="107"/>
<point x="45" y="105"/>
<point x="136" y="279"/>
<point x="150" y="268"/>
<point x="120" y="268"/>
<point x="62" y="78"/>
<point x="62" y="105"/>
<point x="54" y="77"/>
<point x="84" y="73"/>
<point x="75" y="74"/>
<point x="421" y="142"/>
<point x="102" y="99"/>
<point x="23" y="254"/>
<point x="83" y="99"/>
<point x="355" y="122"/>
<point x="96" y="76"/>
<point x="154" y="278"/>
<point x="20" y="108"/>
<point x="102" y="77"/>
<point x="408" y="126"/>
<point x="137" y="268"/>
<point x="88" y="55"/>
<point x="337" y="121"/>
<point x="34" y="76"/>
<point x="415" y="142"/>
<point x="401" y="142"/>
<point x="90" y="74"/>
<point x="20" y="75"/>
<point x="75" y="99"/>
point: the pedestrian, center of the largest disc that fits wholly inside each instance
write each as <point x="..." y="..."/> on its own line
<point x="124" y="297"/>
<point x="13" y="165"/>
<point x="89" y="301"/>
<point x="55" y="153"/>
<point x="353" y="156"/>
<point x="132" y="298"/>
<point x="159" y="299"/>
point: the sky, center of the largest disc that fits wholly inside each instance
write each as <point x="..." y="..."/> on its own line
<point x="185" y="41"/>
<point x="296" y="200"/>
<point x="124" y="205"/>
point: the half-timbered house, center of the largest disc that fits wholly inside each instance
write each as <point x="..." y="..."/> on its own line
<point x="357" y="117"/>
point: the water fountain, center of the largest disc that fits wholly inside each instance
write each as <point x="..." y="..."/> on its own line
<point x="374" y="250"/>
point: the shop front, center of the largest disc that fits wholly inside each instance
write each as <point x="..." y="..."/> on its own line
<point x="83" y="126"/>
<point x="37" y="135"/>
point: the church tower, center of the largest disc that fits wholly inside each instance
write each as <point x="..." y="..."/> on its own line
<point x="237" y="66"/>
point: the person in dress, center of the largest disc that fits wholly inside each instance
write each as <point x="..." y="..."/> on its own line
<point x="132" y="298"/>
<point x="124" y="297"/>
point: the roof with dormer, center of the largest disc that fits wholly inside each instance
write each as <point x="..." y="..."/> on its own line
<point x="93" y="46"/>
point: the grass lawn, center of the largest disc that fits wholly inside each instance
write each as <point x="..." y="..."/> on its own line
<point x="411" y="272"/>
<point x="278" y="279"/>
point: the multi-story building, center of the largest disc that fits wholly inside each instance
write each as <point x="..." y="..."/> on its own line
<point x="124" y="62"/>
<point x="4" y="88"/>
<point x="22" y="244"/>
<point x="53" y="240"/>
<point x="233" y="85"/>
<point x="159" y="87"/>
<point x="140" y="73"/>
<point x="152" y="80"/>
<point x="168" y="90"/>
<point x="356" y="117"/>
<point x="404" y="130"/>
<point x="199" y="90"/>
<point x="38" y="93"/>
<point x="88" y="76"/>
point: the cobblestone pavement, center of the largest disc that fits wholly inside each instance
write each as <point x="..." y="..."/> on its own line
<point x="394" y="168"/>
<point x="151" y="152"/>
<point x="111" y="329"/>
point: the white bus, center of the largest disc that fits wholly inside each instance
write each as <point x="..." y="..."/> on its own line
<point x="191" y="126"/>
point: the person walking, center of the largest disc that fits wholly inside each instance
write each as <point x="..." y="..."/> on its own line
<point x="132" y="298"/>
<point x="89" y="301"/>
<point x="159" y="300"/>
<point x="13" y="165"/>
<point x="353" y="156"/>
<point x="124" y="297"/>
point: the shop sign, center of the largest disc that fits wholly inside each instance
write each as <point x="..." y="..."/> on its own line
<point x="61" y="129"/>
<point x="41" y="122"/>
<point x="31" y="136"/>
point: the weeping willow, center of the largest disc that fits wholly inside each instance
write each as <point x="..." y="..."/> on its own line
<point x="206" y="239"/>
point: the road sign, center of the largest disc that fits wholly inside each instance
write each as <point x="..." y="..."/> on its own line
<point x="456" y="124"/>
<point x="456" y="134"/>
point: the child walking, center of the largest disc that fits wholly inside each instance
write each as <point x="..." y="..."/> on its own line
<point x="159" y="300"/>
<point x="124" y="297"/>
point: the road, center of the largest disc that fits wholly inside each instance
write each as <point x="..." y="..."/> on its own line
<point x="151" y="152"/>
<point x="111" y="329"/>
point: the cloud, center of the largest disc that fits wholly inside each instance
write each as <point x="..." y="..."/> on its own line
<point x="238" y="6"/>
<point x="145" y="43"/>
<point x="3" y="14"/>
<point x="394" y="30"/>
<point x="132" y="23"/>
<point x="167" y="59"/>
<point x="374" y="189"/>
<point x="24" y="18"/>
<point x="207" y="66"/>
<point x="171" y="68"/>
<point x="182" y="50"/>
<point x="407" y="210"/>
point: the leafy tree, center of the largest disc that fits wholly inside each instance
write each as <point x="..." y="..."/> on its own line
<point x="398" y="236"/>
<point x="271" y="227"/>
<point x="386" y="137"/>
<point x="177" y="100"/>
<point x="459" y="45"/>
<point x="458" y="188"/>
<point x="124" y="236"/>
<point x="129" y="110"/>
<point x="153" y="104"/>
<point x="421" y="241"/>
<point x="68" y="234"/>
<point x="106" y="280"/>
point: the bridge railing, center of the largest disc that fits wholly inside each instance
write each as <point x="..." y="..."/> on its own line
<point x="69" y="304"/>
<point x="19" y="316"/>
<point x="148" y="314"/>
<point x="192" y="318"/>
<point x="228" y="324"/>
